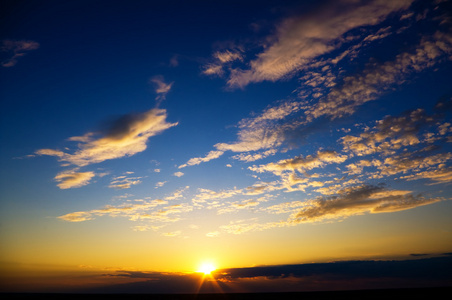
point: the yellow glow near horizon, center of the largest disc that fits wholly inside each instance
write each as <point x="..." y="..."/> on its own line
<point x="206" y="268"/>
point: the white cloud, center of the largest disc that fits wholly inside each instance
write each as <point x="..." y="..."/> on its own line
<point x="160" y="184"/>
<point x="213" y="234"/>
<point x="178" y="174"/>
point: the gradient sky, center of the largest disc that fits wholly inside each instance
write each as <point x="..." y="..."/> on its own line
<point x="153" y="136"/>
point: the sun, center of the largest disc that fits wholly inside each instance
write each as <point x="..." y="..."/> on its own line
<point x="206" y="268"/>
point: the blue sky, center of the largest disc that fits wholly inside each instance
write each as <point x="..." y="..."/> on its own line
<point x="319" y="130"/>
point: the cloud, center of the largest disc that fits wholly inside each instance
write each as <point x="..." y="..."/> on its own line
<point x="380" y="77"/>
<point x="300" y="163"/>
<point x="359" y="200"/>
<point x="73" y="179"/>
<point x="172" y="234"/>
<point x="300" y="39"/>
<point x="16" y="49"/>
<point x="124" y="136"/>
<point x="124" y="182"/>
<point x="390" y="134"/>
<point x="178" y="174"/>
<point x="221" y="60"/>
<point x="346" y="202"/>
<point x="416" y="163"/>
<point x="138" y="210"/>
<point x="213" y="234"/>
<point x="178" y="194"/>
<point x="160" y="184"/>
<point x="361" y="279"/>
<point x="438" y="175"/>
<point x="263" y="131"/>
<point x="256" y="156"/>
<point x="407" y="144"/>
<point x="161" y="87"/>
<point x="239" y="205"/>
<point x="197" y="160"/>
<point x="356" y="279"/>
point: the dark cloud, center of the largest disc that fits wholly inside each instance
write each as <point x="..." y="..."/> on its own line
<point x="428" y="268"/>
<point x="342" y="275"/>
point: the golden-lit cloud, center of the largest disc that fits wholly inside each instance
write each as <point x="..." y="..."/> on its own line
<point x="197" y="160"/>
<point x="441" y="174"/>
<point x="178" y="194"/>
<point x="255" y="156"/>
<point x="125" y="137"/>
<point x="346" y="202"/>
<point x="73" y="179"/>
<point x="302" y="164"/>
<point x="124" y="182"/>
<point x="357" y="201"/>
<point x="137" y="210"/>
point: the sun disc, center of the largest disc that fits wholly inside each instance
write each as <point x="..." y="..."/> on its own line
<point x="206" y="268"/>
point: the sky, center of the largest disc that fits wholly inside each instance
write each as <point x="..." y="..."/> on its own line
<point x="280" y="141"/>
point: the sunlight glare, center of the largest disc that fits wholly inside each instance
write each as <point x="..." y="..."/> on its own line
<point x="206" y="268"/>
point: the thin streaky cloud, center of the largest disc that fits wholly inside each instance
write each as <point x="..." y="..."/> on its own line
<point x="17" y="48"/>
<point x="197" y="160"/>
<point x="161" y="87"/>
<point x="299" y="40"/>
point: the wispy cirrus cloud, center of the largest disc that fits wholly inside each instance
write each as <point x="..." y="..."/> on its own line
<point x="124" y="181"/>
<point x="300" y="39"/>
<point x="264" y="131"/>
<point x="223" y="59"/>
<point x="161" y="87"/>
<point x="16" y="48"/>
<point x="197" y="160"/>
<point x="137" y="210"/>
<point x="261" y="133"/>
